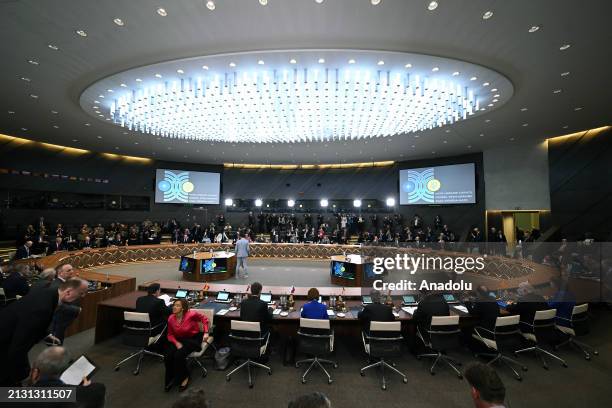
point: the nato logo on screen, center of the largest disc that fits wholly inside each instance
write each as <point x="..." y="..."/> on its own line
<point x="454" y="184"/>
<point x="175" y="186"/>
<point x="187" y="187"/>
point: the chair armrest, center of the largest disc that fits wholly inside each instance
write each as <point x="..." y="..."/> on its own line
<point x="479" y="328"/>
<point x="259" y="339"/>
<point x="384" y="338"/>
<point x="527" y="324"/>
<point x="564" y="318"/>
<point x="316" y="336"/>
<point x="148" y="329"/>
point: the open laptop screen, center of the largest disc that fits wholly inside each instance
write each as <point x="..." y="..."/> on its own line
<point x="223" y="296"/>
<point x="266" y="297"/>
<point x="181" y="294"/>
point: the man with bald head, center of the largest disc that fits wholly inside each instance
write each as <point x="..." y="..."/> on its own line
<point x="24" y="323"/>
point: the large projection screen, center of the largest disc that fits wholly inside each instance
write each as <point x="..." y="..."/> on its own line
<point x="438" y="185"/>
<point x="186" y="187"/>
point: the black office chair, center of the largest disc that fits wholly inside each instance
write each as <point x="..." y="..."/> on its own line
<point x="384" y="340"/>
<point x="505" y="336"/>
<point x="247" y="341"/>
<point x="316" y="338"/>
<point x="138" y="333"/>
<point x="443" y="335"/>
<point x="576" y="326"/>
<point x="540" y="332"/>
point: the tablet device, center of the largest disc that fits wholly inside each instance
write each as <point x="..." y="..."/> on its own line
<point x="181" y="294"/>
<point x="223" y="297"/>
<point x="82" y="367"/>
<point x="266" y="297"/>
<point x="408" y="300"/>
<point x="366" y="300"/>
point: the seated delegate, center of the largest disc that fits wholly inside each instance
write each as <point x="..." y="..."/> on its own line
<point x="313" y="309"/>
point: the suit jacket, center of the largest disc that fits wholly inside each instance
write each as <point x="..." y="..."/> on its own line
<point x="91" y="396"/>
<point x="486" y="309"/>
<point x="53" y="247"/>
<point x="527" y="306"/>
<point x="256" y="310"/>
<point x="15" y="284"/>
<point x="22" y="252"/>
<point x="432" y="305"/>
<point x="375" y="312"/>
<point x="23" y="324"/>
<point x="242" y="248"/>
<point x="156" y="308"/>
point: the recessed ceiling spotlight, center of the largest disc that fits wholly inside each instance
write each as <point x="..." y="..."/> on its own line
<point x="534" y="28"/>
<point x="25" y="79"/>
<point x="210" y="5"/>
<point x="375" y="2"/>
<point x="292" y="61"/>
<point x="556" y="91"/>
<point x="318" y="1"/>
<point x="381" y="62"/>
<point x="456" y="73"/>
<point x="180" y="71"/>
<point x="524" y="109"/>
<point x="232" y="64"/>
<point x="512" y="139"/>
<point x="351" y="61"/>
<point x="469" y="146"/>
<point x="487" y="120"/>
<point x="432" y="5"/>
<point x="53" y="47"/>
<point x="321" y="61"/>
<point x="87" y="124"/>
<point x="566" y="73"/>
<point x="408" y="66"/>
<point x="494" y="90"/>
<point x="578" y="108"/>
<point x="473" y="78"/>
<point x="162" y="12"/>
<point x="109" y="90"/>
<point x="82" y="33"/>
<point x="55" y="127"/>
<point x="445" y="141"/>
<point x="525" y="124"/>
<point x="260" y="62"/>
<point x="263" y="2"/>
<point x="487" y="15"/>
<point x="100" y="96"/>
<point x="565" y="127"/>
<point x="435" y="69"/>
<point x="75" y="140"/>
<point x="123" y="85"/>
<point x="11" y="112"/>
<point x="33" y="96"/>
<point x="99" y="137"/>
<point x="490" y="105"/>
<point x="54" y="112"/>
<point x="495" y="100"/>
<point x="486" y="84"/>
<point x="158" y="76"/>
<point x="24" y="129"/>
<point x="119" y="22"/>
<point x="481" y="135"/>
<point x="33" y="62"/>
<point x="564" y="47"/>
<point x="138" y="80"/>
<point x="496" y="96"/>
<point x="447" y="130"/>
<point x="205" y="67"/>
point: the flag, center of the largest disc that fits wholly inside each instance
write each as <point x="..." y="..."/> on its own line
<point x="248" y="288"/>
<point x="206" y="287"/>
<point x="292" y="290"/>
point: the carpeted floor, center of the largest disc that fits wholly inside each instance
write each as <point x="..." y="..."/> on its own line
<point x="584" y="384"/>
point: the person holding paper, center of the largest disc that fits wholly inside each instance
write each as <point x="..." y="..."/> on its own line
<point x="49" y="370"/>
<point x="155" y="307"/>
<point x="186" y="330"/>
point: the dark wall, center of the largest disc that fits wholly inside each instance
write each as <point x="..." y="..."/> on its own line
<point x="581" y="184"/>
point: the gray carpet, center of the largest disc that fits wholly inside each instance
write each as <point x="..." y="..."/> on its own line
<point x="582" y="384"/>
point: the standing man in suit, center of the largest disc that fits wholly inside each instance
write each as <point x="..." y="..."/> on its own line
<point x="25" y="322"/>
<point x="156" y="308"/>
<point x="256" y="310"/>
<point x="16" y="284"/>
<point x="376" y="311"/>
<point x="242" y="253"/>
<point x="23" y="251"/>
<point x="48" y="368"/>
<point x="430" y="305"/>
<point x="67" y="312"/>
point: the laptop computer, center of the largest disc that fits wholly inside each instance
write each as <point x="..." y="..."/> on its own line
<point x="223" y="297"/>
<point x="181" y="294"/>
<point x="366" y="300"/>
<point x="409" y="300"/>
<point x="266" y="297"/>
<point x="450" y="298"/>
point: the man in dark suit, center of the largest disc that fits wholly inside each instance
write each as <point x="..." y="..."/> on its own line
<point x="484" y="307"/>
<point x="47" y="370"/>
<point x="375" y="312"/>
<point x="56" y="246"/>
<point x="16" y="284"/>
<point x="156" y="308"/>
<point x="527" y="304"/>
<point x="67" y="312"/>
<point x="23" y="251"/>
<point x="256" y="310"/>
<point x="432" y="304"/>
<point x="24" y="323"/>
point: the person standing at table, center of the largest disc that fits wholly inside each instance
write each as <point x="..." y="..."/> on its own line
<point x="242" y="253"/>
<point x="186" y="330"/>
<point x="313" y="309"/>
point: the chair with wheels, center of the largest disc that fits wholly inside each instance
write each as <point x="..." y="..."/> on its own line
<point x="138" y="333"/>
<point x="505" y="336"/>
<point x="540" y="332"/>
<point x="443" y="334"/>
<point x="576" y="326"/>
<point x="384" y="340"/>
<point x="247" y="341"/>
<point x="316" y="338"/>
<point x="207" y="343"/>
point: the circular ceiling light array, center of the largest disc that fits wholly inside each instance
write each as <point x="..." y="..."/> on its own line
<point x="293" y="103"/>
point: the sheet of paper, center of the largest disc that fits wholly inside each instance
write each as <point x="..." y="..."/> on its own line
<point x="461" y="308"/>
<point x="409" y="309"/>
<point x="222" y="312"/>
<point x="330" y="313"/>
<point x="167" y="299"/>
<point x="79" y="369"/>
<point x="276" y="311"/>
<point x="396" y="314"/>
